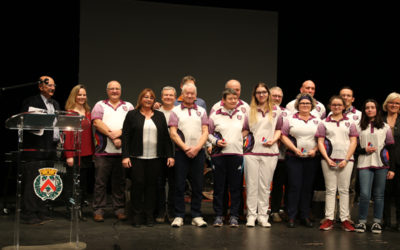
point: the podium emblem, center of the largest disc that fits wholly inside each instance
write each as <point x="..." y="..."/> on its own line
<point x="48" y="185"/>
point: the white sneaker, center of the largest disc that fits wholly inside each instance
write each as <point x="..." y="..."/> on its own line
<point x="251" y="221"/>
<point x="178" y="222"/>
<point x="198" y="221"/>
<point x="263" y="221"/>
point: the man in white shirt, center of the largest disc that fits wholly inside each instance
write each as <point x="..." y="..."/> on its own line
<point x="108" y="118"/>
<point x="309" y="87"/>
<point x="242" y="105"/>
<point x="166" y="204"/>
<point x="189" y="130"/>
<point x="350" y="111"/>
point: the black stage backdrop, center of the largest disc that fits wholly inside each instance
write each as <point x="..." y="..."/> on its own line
<point x="334" y="45"/>
<point x="151" y="45"/>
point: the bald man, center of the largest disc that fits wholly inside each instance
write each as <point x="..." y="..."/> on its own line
<point x="309" y="87"/>
<point x="108" y="118"/>
<point x="242" y="105"/>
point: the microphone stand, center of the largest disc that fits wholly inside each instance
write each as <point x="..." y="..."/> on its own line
<point x="18" y="86"/>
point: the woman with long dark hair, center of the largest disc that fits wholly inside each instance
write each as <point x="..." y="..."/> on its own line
<point x="375" y="136"/>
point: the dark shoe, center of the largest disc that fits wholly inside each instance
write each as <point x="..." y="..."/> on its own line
<point x="81" y="216"/>
<point x="121" y="216"/>
<point x="150" y="222"/>
<point x="171" y="217"/>
<point x="137" y="221"/>
<point x="31" y="220"/>
<point x="98" y="218"/>
<point x="160" y="218"/>
<point x="44" y="217"/>
<point x="307" y="223"/>
<point x="85" y="203"/>
<point x="291" y="223"/>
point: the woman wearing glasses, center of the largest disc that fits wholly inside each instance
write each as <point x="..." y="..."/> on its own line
<point x="298" y="135"/>
<point x="337" y="140"/>
<point x="392" y="108"/>
<point x="261" y="154"/>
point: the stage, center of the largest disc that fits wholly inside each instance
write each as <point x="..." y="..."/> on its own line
<point x="113" y="234"/>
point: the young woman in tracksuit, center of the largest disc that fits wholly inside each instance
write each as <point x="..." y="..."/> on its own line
<point x="298" y="134"/>
<point x="227" y="126"/>
<point x="337" y="140"/>
<point x="261" y="154"/>
<point x="375" y="140"/>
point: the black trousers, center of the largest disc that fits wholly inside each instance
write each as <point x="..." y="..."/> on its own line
<point x="392" y="193"/>
<point x="86" y="165"/>
<point x="144" y="176"/>
<point x="163" y="201"/>
<point x="279" y="181"/>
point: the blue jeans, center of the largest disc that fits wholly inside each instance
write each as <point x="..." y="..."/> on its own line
<point x="372" y="180"/>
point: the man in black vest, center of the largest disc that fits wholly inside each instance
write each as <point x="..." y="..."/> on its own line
<point x="39" y="147"/>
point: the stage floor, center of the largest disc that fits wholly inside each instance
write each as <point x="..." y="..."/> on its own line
<point x="112" y="234"/>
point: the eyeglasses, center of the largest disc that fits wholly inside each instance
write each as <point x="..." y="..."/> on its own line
<point x="112" y="89"/>
<point x="261" y="92"/>
<point x="394" y="103"/>
<point x="304" y="103"/>
<point x="336" y="105"/>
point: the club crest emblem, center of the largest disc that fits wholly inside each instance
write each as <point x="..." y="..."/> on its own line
<point x="243" y="109"/>
<point x="284" y="114"/>
<point x="198" y="113"/>
<point x="273" y="114"/>
<point x="347" y="124"/>
<point x="318" y="108"/>
<point x="239" y="117"/>
<point x="355" y="117"/>
<point x="315" y="121"/>
<point x="125" y="108"/>
<point x="48" y="185"/>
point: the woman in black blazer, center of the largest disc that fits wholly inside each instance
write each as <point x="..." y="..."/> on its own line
<point x="146" y="147"/>
<point x="392" y="190"/>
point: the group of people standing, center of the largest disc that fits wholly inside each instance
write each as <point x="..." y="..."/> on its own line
<point x="252" y="145"/>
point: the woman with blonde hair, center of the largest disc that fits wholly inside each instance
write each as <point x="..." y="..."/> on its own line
<point x="77" y="103"/>
<point x="261" y="154"/>
<point x="392" y="108"/>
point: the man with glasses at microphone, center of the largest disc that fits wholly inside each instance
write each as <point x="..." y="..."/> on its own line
<point x="40" y="146"/>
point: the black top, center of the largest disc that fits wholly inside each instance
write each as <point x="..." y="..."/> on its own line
<point x="32" y="141"/>
<point x="132" y="135"/>
<point x="395" y="156"/>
